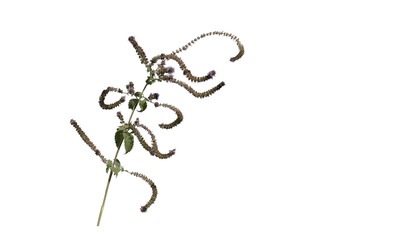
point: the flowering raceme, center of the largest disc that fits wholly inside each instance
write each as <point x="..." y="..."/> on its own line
<point x="158" y="71"/>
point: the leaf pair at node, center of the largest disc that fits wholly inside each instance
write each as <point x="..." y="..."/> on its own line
<point x="133" y="103"/>
<point x="115" y="168"/>
<point x="121" y="135"/>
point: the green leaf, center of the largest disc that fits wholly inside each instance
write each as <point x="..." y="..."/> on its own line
<point x="128" y="141"/>
<point x="109" y="163"/>
<point x="117" y="163"/>
<point x="116" y="168"/>
<point x="133" y="103"/>
<point x="119" y="137"/>
<point x="150" y="81"/>
<point x="143" y="105"/>
<point x="138" y="94"/>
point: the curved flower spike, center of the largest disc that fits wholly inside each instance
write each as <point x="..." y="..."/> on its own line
<point x="182" y="65"/>
<point x="139" y="50"/>
<point x="225" y="34"/>
<point x="105" y="92"/>
<point x="86" y="139"/>
<point x="154" y="148"/>
<point x="121" y="117"/>
<point x="177" y="121"/>
<point x="195" y="93"/>
<point x="153" y="188"/>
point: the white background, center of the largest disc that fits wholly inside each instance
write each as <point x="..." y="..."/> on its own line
<point x="297" y="145"/>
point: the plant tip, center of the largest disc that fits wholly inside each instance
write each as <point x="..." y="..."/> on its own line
<point x="211" y="74"/>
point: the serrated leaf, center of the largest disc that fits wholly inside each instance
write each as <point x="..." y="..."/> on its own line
<point x="133" y="103"/>
<point x="128" y="141"/>
<point x="143" y="105"/>
<point x="119" y="137"/>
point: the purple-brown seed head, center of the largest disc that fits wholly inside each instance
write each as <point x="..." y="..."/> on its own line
<point x="170" y="70"/>
<point x="211" y="74"/>
<point x="154" y="96"/>
<point x="143" y="209"/>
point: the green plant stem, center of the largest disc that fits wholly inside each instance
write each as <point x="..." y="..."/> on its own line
<point x="106" y="192"/>
<point x="117" y="153"/>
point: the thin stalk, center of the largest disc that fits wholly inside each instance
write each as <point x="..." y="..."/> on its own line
<point x="117" y="153"/>
<point x="103" y="203"/>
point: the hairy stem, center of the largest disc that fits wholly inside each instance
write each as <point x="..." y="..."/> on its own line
<point x="117" y="153"/>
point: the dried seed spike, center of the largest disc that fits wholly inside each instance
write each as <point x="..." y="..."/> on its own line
<point x="177" y="121"/>
<point x="153" y="188"/>
<point x="195" y="93"/>
<point x="162" y="70"/>
<point x="121" y="117"/>
<point x="86" y="139"/>
<point x="142" y="140"/>
<point x="139" y="50"/>
<point x="130" y="88"/>
<point x="101" y="99"/>
<point x="154" y="148"/>
<point x="186" y="71"/>
<point x="222" y="33"/>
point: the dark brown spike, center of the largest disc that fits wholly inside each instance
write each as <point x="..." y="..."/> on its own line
<point x="139" y="50"/>
<point x="154" y="148"/>
<point x="186" y="71"/>
<point x="121" y="117"/>
<point x="179" y="115"/>
<point x="225" y="34"/>
<point x="142" y="141"/>
<point x="153" y="189"/>
<point x="86" y="139"/>
<point x="195" y="93"/>
<point x="102" y="97"/>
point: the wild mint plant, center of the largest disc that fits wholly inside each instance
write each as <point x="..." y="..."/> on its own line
<point x="127" y="131"/>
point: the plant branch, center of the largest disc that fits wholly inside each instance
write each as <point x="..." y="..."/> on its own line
<point x="117" y="153"/>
